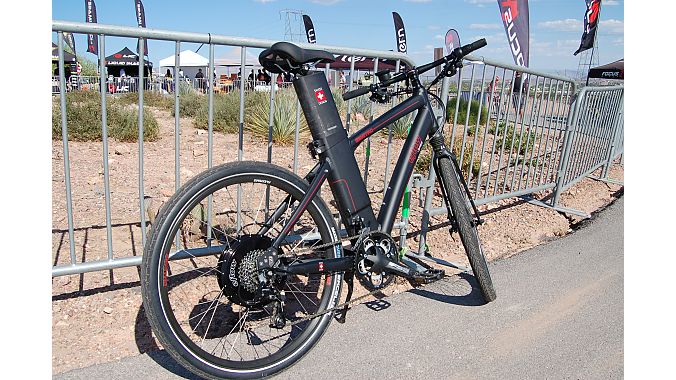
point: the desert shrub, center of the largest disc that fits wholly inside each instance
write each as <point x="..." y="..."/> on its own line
<point x="462" y="112"/>
<point x="189" y="104"/>
<point x="510" y="136"/>
<point x="226" y="109"/>
<point x="361" y="105"/>
<point x="283" y="119"/>
<point x="150" y="99"/>
<point x="84" y="119"/>
<point x="400" y="127"/>
<point x="338" y="99"/>
<point x="425" y="157"/>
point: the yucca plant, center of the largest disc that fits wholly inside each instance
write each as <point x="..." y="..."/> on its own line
<point x="361" y="105"/>
<point x="283" y="119"/>
<point x="400" y="127"/>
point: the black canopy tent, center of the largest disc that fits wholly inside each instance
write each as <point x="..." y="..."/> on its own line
<point x="69" y="60"/>
<point x="614" y="70"/>
<point x="361" y="63"/>
<point x="127" y="60"/>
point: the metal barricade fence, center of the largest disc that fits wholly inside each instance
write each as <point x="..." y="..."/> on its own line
<point x="594" y="127"/>
<point x="512" y="148"/>
<point x="77" y="263"/>
<point x="508" y="139"/>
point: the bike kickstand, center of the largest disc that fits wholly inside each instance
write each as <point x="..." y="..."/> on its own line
<point x="349" y="280"/>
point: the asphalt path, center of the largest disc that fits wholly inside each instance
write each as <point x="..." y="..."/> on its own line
<point x="558" y="315"/>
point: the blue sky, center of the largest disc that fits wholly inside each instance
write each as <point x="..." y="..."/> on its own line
<point x="555" y="25"/>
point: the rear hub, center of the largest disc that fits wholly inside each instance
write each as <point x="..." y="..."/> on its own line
<point x="238" y="272"/>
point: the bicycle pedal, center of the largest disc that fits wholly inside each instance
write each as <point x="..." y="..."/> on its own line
<point x="429" y="276"/>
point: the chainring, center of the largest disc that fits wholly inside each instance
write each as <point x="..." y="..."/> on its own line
<point x="373" y="244"/>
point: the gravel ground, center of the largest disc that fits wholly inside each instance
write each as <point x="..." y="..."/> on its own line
<point x="98" y="317"/>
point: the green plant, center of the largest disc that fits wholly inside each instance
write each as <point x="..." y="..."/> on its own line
<point x="362" y="105"/>
<point x="511" y="138"/>
<point x="84" y="119"/>
<point x="189" y="103"/>
<point x="425" y="157"/>
<point x="400" y="127"/>
<point x="463" y="118"/>
<point x="283" y="119"/>
<point x="226" y="109"/>
<point x="150" y="98"/>
<point x="338" y="99"/>
<point x="88" y="68"/>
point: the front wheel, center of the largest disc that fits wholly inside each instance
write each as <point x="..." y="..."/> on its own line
<point x="201" y="289"/>
<point x="459" y="203"/>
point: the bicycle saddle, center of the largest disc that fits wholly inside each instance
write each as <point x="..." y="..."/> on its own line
<point x="285" y="56"/>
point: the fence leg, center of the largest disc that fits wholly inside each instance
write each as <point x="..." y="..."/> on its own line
<point x="571" y="126"/>
<point x="612" y="146"/>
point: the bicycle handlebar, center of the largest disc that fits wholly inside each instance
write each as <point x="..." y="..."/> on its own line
<point x="456" y="55"/>
<point x="358" y="92"/>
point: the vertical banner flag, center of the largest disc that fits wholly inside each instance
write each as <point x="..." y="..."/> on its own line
<point x="591" y="20"/>
<point x="90" y="16"/>
<point x="309" y="30"/>
<point x="514" y="14"/>
<point x="452" y="40"/>
<point x="141" y="20"/>
<point x="400" y="32"/>
<point x="70" y="41"/>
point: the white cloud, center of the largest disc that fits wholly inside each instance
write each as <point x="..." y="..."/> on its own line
<point x="611" y="2"/>
<point x="480" y="3"/>
<point x="325" y="2"/>
<point x="264" y="1"/>
<point x="417" y="1"/>
<point x="567" y="25"/>
<point x="485" y="26"/>
<point x="611" y="26"/>
<point x="438" y="37"/>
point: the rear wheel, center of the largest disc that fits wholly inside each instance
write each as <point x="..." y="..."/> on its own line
<point x="460" y="206"/>
<point x="203" y="308"/>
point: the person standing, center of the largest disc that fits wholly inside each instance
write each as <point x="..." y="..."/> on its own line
<point x="199" y="78"/>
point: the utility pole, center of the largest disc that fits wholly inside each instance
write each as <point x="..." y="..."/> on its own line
<point x="293" y="24"/>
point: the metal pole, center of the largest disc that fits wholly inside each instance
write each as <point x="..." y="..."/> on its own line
<point x="66" y="159"/>
<point x="210" y="135"/>
<point x="104" y="138"/>
<point x="141" y="194"/>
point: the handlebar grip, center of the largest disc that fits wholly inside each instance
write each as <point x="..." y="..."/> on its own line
<point x="476" y="45"/>
<point x="355" y="93"/>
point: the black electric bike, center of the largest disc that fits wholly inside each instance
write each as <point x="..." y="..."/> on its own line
<point x="243" y="267"/>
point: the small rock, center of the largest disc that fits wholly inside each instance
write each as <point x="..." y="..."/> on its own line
<point x="62" y="324"/>
<point x="107" y="309"/>
<point x="197" y="152"/>
<point x="199" y="143"/>
<point x="65" y="280"/>
<point x="201" y="132"/>
<point x="93" y="180"/>
<point x="122" y="149"/>
<point x="111" y="161"/>
<point x="166" y="192"/>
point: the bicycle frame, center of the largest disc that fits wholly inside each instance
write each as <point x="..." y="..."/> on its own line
<point x="338" y="164"/>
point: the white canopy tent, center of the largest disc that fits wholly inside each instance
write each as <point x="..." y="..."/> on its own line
<point x="189" y="61"/>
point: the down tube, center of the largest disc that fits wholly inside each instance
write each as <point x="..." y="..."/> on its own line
<point x="404" y="169"/>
